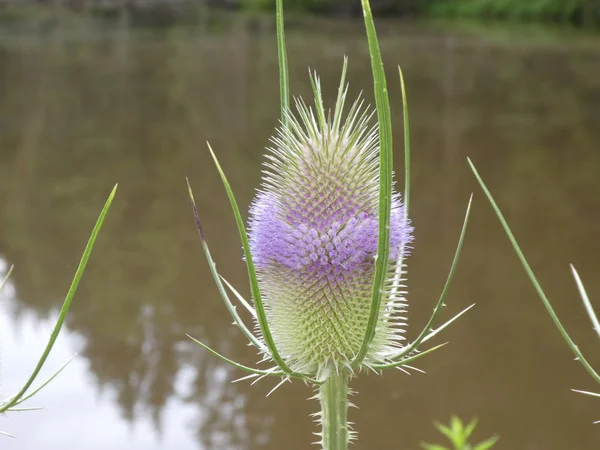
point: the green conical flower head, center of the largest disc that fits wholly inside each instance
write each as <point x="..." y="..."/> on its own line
<point x="313" y="237"/>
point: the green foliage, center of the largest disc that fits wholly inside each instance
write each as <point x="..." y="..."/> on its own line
<point x="573" y="11"/>
<point x="316" y="6"/>
<point x="458" y="434"/>
<point x="566" y="11"/>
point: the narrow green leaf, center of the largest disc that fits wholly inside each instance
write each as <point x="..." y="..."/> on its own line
<point x="445" y="431"/>
<point x="533" y="278"/>
<point x="260" y="310"/>
<point x="470" y="428"/>
<point x="432" y="446"/>
<point x="458" y="438"/>
<point x="425" y="333"/>
<point x="406" y="144"/>
<point x="284" y="81"/>
<point x="213" y="270"/>
<point x="385" y="180"/>
<point x="66" y="305"/>
<point x="487" y="444"/>
<point x="456" y="424"/>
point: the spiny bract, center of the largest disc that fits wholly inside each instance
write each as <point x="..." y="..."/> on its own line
<point x="313" y="236"/>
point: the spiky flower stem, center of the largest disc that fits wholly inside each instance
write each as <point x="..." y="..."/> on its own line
<point x="333" y="395"/>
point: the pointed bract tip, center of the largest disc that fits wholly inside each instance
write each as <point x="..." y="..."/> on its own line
<point x="195" y="209"/>
<point x="472" y="165"/>
<point x="7" y="276"/>
<point x="212" y="153"/>
<point x="402" y="85"/>
<point x="112" y="194"/>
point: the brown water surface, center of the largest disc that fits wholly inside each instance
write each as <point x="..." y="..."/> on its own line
<point x="83" y="107"/>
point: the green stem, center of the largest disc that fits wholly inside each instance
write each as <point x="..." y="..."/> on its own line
<point x="333" y="395"/>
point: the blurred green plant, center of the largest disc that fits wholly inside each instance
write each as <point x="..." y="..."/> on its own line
<point x="572" y="11"/>
<point x="540" y="291"/>
<point x="12" y="403"/>
<point x="458" y="434"/>
<point x="581" y="12"/>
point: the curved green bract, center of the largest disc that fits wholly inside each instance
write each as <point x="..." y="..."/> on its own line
<point x="235" y="364"/>
<point x="406" y="196"/>
<point x="533" y="279"/>
<point x="425" y="333"/>
<point x="216" y="277"/>
<point x="260" y="310"/>
<point x="385" y="181"/>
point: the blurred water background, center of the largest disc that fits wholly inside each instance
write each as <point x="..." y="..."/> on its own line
<point x="86" y="102"/>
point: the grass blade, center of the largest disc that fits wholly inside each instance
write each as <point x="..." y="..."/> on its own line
<point x="533" y="278"/>
<point x="67" y="303"/>
<point x="385" y="180"/>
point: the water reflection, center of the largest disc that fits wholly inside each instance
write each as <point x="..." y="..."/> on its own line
<point x="84" y="108"/>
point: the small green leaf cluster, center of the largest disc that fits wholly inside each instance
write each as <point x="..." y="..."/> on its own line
<point x="458" y="434"/>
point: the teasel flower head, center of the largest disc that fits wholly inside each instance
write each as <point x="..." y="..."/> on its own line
<point x="311" y="246"/>
<point x="314" y="235"/>
<point x="325" y="247"/>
